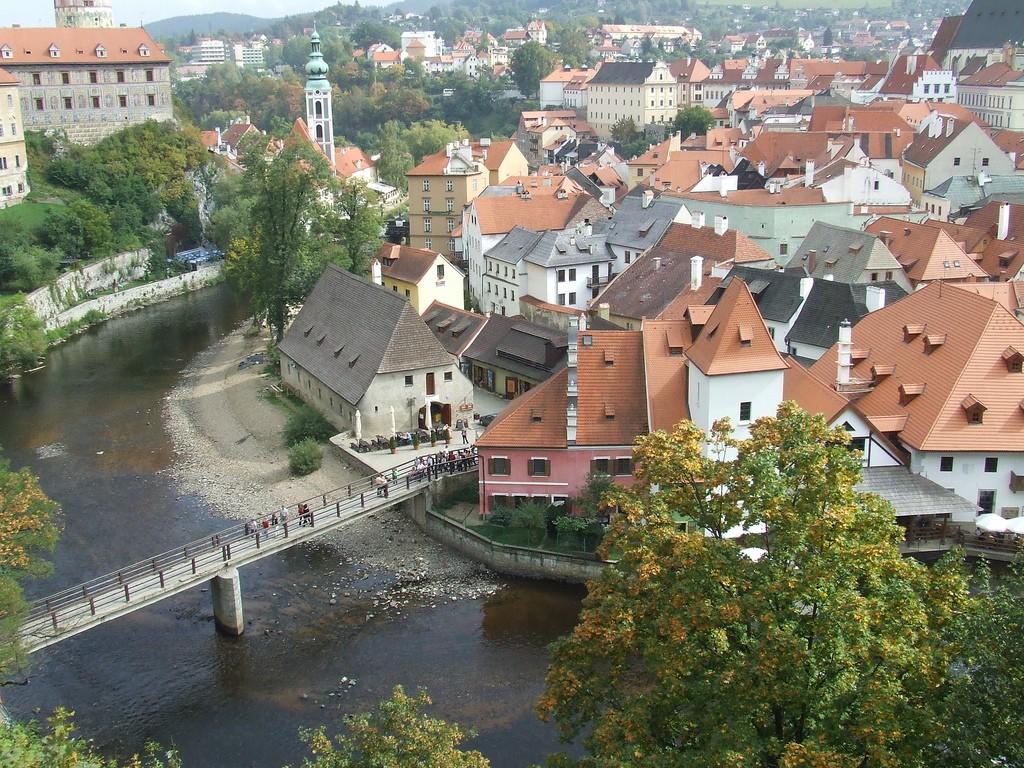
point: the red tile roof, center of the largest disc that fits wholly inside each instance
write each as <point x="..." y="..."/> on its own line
<point x="988" y="217"/>
<point x="401" y="262"/>
<point x="6" y="78"/>
<point x="900" y="82"/>
<point x="927" y="253"/>
<point x="499" y="214"/>
<point x="665" y="371"/>
<point x="434" y="165"/>
<point x="122" y="45"/>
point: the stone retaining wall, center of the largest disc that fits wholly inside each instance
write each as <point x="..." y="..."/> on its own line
<point x="71" y="287"/>
<point x="123" y="301"/>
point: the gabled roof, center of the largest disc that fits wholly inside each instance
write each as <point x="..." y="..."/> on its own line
<point x="927" y="253"/>
<point x="638" y="228"/>
<point x="349" y="330"/>
<point x="924" y="148"/>
<point x="78" y="45"/>
<point x="778" y="148"/>
<point x="500" y="214"/>
<point x="810" y="393"/>
<point x="348" y="161"/>
<point x="829" y="303"/>
<point x="777" y="294"/>
<point x="988" y="217"/>
<point x="455" y="328"/>
<point x="665" y="371"/>
<point x="402" y="262"/>
<point x="517" y="345"/>
<point x="944" y="36"/>
<point x="989" y="24"/>
<point x="843" y="253"/>
<point x="434" y="165"/>
<point x="900" y="82"/>
<point x="735" y="338"/>
<point x="1010" y="141"/>
<point x="975" y="333"/>
<point x="997" y="74"/>
<point x="535" y="418"/>
<point x="622" y="73"/>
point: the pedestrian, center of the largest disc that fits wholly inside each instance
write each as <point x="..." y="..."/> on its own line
<point x="380" y="483"/>
<point x="248" y="528"/>
<point x="465" y="436"/>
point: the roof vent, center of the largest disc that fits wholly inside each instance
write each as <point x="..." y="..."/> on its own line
<point x="609" y="357"/>
<point x="879" y="372"/>
<point x="353" y="361"/>
<point x="933" y="341"/>
<point x="308" y="331"/>
<point x="911" y="332"/>
<point x="909" y="391"/>
<point x="536" y="415"/>
<point x="609" y="411"/>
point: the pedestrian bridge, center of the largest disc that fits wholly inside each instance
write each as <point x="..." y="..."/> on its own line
<point x="216" y="559"/>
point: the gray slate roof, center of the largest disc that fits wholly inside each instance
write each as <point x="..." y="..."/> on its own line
<point x="514" y="246"/>
<point x="964" y="192"/>
<point x="626" y="72"/>
<point x="777" y="294"/>
<point x="843" y="253"/>
<point x="911" y="494"/>
<point x="568" y="248"/>
<point x="831" y="302"/>
<point x="453" y="327"/>
<point x="349" y="330"/>
<point x="519" y="346"/>
<point x="990" y="24"/>
<point x="639" y="228"/>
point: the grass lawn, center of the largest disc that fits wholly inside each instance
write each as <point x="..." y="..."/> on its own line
<point x="29" y="215"/>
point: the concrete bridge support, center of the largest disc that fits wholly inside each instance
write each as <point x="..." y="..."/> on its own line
<point x="226" y="590"/>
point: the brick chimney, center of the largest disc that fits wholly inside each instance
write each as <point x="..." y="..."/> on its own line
<point x="812" y="261"/>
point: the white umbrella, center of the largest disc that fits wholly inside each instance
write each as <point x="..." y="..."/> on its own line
<point x="754" y="553"/>
<point x="739" y="530"/>
<point x="1015" y="525"/>
<point x="359" y="425"/>
<point x="990" y="522"/>
<point x="393" y="430"/>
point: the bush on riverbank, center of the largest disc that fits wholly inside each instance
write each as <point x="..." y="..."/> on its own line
<point x="305" y="457"/>
<point x="306" y="424"/>
<point x="63" y="332"/>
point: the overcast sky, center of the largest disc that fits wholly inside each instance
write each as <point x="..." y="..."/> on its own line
<point x="39" y="13"/>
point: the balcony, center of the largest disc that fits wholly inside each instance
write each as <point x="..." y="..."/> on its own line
<point x="600" y="282"/>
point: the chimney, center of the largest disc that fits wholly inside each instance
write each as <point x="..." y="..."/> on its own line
<point x="721" y="225"/>
<point x="588" y="228"/>
<point x="220" y="139"/>
<point x="646" y="198"/>
<point x="812" y="261"/>
<point x="950" y="125"/>
<point x="809" y="174"/>
<point x="885" y="236"/>
<point x="657" y="263"/>
<point x="696" y="272"/>
<point x="874" y="297"/>
<point x="806" y="285"/>
<point x="911" y="64"/>
<point x="761" y="169"/>
<point x="722" y="191"/>
<point x="604" y="310"/>
<point x="934" y="124"/>
<point x="375" y="272"/>
<point x="571" y="389"/>
<point x="1003" y="226"/>
<point x="697" y="219"/>
<point x="844" y="354"/>
<point x="829" y="276"/>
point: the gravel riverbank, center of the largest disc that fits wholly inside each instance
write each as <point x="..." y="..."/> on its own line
<point x="229" y="453"/>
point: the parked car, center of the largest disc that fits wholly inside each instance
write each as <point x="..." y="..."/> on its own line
<point x="486" y="420"/>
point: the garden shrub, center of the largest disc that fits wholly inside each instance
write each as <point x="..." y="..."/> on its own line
<point x="305" y="457"/>
<point x="307" y="424"/>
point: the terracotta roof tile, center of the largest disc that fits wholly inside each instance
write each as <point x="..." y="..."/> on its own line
<point x="502" y="213"/>
<point x="735" y="338"/>
<point x="433" y="165"/>
<point x="618" y="384"/>
<point x="31" y="45"/>
<point x="535" y="418"/>
<point x="6" y="78"/>
<point x="762" y="197"/>
<point x="349" y="161"/>
<point x="988" y="217"/>
<point x="401" y="262"/>
<point x="969" y="363"/>
<point x="665" y="371"/>
<point x="810" y="393"/>
<point x="924" y="148"/>
<point x="927" y="253"/>
<point x="900" y="82"/>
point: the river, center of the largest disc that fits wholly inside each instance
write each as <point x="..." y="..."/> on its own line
<point x="89" y="424"/>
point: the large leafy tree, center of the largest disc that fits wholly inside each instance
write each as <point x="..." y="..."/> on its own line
<point x="827" y="651"/>
<point x="395" y="158"/>
<point x="29" y="526"/>
<point x="530" y="63"/>
<point x="574" y="46"/>
<point x="351" y="230"/>
<point x="397" y="734"/>
<point x="693" y="120"/>
<point x="22" y="340"/>
<point x="271" y="264"/>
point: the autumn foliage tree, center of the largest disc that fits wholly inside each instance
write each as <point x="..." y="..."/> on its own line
<point x="827" y="651"/>
<point x="28" y="527"/>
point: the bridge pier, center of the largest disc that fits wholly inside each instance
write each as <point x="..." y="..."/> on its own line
<point x="226" y="591"/>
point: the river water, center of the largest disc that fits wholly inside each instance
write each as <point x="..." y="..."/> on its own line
<point x="89" y="424"/>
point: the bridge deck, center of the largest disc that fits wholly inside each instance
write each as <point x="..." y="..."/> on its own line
<point x="82" y="607"/>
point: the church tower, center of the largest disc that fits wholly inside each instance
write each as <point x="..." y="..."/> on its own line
<point x="319" y="117"/>
<point x="83" y="13"/>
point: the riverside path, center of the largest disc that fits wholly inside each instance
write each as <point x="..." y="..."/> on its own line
<point x="216" y="559"/>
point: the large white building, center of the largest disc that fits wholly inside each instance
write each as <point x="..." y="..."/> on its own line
<point x="644" y="91"/>
<point x="996" y="95"/>
<point x="83" y="13"/>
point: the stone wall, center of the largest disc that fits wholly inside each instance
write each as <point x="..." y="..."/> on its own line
<point x="71" y="287"/>
<point x="140" y="296"/>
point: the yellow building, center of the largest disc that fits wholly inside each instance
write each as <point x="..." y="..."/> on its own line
<point x="13" y="157"/>
<point x="422" y="276"/>
<point x="441" y="185"/>
<point x="644" y="91"/>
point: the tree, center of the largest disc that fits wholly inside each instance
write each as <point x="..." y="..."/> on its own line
<point x="395" y="159"/>
<point x="693" y="120"/>
<point x="530" y="63"/>
<point x="28" y="526"/>
<point x="397" y="734"/>
<point x="826" y="651"/>
<point x="272" y="264"/>
<point x="983" y="700"/>
<point x="429" y="136"/>
<point x="826" y="38"/>
<point x="22" y="340"/>
<point x="355" y="224"/>
<point x="574" y="46"/>
<point x="25" y="746"/>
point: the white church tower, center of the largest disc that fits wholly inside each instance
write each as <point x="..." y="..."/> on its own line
<point x="83" y="13"/>
<point x="319" y="117"/>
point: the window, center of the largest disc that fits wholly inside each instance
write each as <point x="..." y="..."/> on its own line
<point x="624" y="466"/>
<point x="94" y="77"/>
<point x="426" y="185"/>
<point x="600" y="466"/>
<point x="122" y="101"/>
<point x="430" y="383"/>
<point x="876" y="185"/>
<point x="149" y="76"/>
<point x="991" y="464"/>
<point x="987" y="501"/>
<point x="408" y="381"/>
<point x="449" y="186"/>
<point x="945" y="464"/>
<point x="572" y="273"/>
<point x="561" y="299"/>
<point x="447" y="375"/>
<point x="572" y="298"/>
<point x="95" y="102"/>
<point x="539" y="468"/>
<point x="451" y="225"/>
<point x="39" y="105"/>
<point x="440" y="271"/>
<point x="956" y="161"/>
<point x="150" y="99"/>
<point x="37" y="79"/>
<point x="783" y="249"/>
<point x="426" y="203"/>
<point x="120" y="75"/>
<point x="499" y="465"/>
<point x="65" y="78"/>
<point x="67" y="103"/>
<point x="450" y="203"/>
<point x="427" y="224"/>
<point x="984" y="162"/>
<point x="561" y="275"/>
<point x="745" y="411"/>
<point x="859" y="444"/>
<point x="3" y="163"/>
<point x="428" y="243"/>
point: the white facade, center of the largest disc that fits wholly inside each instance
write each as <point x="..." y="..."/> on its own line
<point x="935" y="85"/>
<point x="551" y="93"/>
<point x="865" y="185"/>
<point x="504" y="285"/>
<point x="433" y="45"/>
<point x="83" y="13"/>
<point x="209" y="51"/>
<point x="248" y="56"/>
<point x="966" y="475"/>
<point x="1000" y="106"/>
<point x="716" y="397"/>
<point x="474" y="246"/>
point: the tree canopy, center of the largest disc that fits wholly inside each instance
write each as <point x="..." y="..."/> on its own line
<point x="530" y="62"/>
<point x="826" y="651"/>
<point x="693" y="120"/>
<point x="22" y="340"/>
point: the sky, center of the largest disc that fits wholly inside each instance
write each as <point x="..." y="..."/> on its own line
<point x="39" y="13"/>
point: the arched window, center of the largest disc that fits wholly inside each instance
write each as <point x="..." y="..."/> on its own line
<point x="319" y="133"/>
<point x="319" y="109"/>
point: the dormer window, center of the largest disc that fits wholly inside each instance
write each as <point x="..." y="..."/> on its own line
<point x="609" y="357"/>
<point x="1014" y="360"/>
<point x="536" y="415"/>
<point x="54" y="52"/>
<point x="879" y="372"/>
<point x="143" y="50"/>
<point x="974" y="409"/>
<point x="609" y="412"/>
<point x="6" y="52"/>
<point x="911" y="332"/>
<point x="101" y="52"/>
<point x="746" y="335"/>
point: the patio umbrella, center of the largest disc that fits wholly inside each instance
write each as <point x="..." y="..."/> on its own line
<point x="1015" y="525"/>
<point x="754" y="553"/>
<point x="359" y="425"/>
<point x="990" y="522"/>
<point x="740" y="530"/>
<point x="393" y="430"/>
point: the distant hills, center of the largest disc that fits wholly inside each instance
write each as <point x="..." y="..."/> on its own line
<point x="206" y="23"/>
